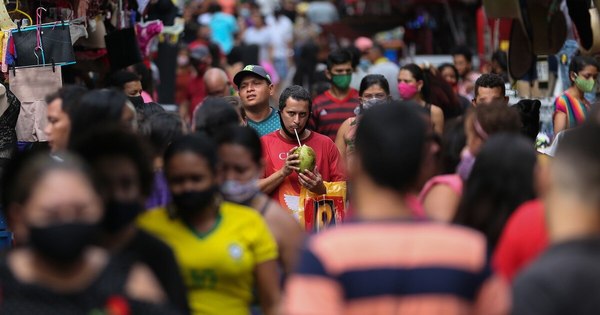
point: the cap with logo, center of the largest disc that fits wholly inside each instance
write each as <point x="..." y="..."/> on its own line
<point x="252" y="70"/>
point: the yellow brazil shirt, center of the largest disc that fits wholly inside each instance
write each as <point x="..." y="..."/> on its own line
<point x="218" y="266"/>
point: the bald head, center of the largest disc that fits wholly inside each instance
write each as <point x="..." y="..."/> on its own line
<point x="216" y="82"/>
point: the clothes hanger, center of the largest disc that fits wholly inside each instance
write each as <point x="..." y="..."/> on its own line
<point x="17" y="10"/>
<point x="39" y="47"/>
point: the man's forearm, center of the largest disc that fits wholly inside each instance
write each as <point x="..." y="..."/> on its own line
<point x="269" y="184"/>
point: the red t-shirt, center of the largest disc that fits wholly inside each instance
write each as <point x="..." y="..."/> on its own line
<point x="275" y="149"/>
<point x="524" y="237"/>
<point x="329" y="113"/>
<point x="196" y="93"/>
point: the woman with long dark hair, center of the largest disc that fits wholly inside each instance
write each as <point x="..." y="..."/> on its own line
<point x="501" y="180"/>
<point x="414" y="86"/>
<point x="374" y="90"/>
<point x="571" y="108"/>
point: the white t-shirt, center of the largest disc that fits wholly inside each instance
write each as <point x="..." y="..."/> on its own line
<point x="282" y="31"/>
<point x="260" y="37"/>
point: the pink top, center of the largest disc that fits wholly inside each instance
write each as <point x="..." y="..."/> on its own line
<point x="146" y="97"/>
<point x="452" y="180"/>
<point x="416" y="206"/>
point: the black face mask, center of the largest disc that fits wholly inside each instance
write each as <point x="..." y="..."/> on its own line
<point x="287" y="132"/>
<point x="62" y="243"/>
<point x="137" y="101"/>
<point x="192" y="203"/>
<point x="120" y="214"/>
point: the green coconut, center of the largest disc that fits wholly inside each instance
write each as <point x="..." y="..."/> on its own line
<point x="307" y="158"/>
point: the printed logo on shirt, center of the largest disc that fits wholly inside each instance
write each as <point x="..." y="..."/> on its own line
<point x="323" y="113"/>
<point x="283" y="156"/>
<point x="235" y="251"/>
<point x="203" y="279"/>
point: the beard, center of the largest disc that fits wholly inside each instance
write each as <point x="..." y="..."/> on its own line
<point x="287" y="132"/>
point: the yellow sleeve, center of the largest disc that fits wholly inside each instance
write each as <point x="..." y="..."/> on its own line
<point x="264" y="247"/>
<point x="152" y="221"/>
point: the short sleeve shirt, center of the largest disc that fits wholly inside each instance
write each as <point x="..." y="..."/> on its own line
<point x="217" y="266"/>
<point x="275" y="149"/>
<point x="267" y="125"/>
<point x="575" y="109"/>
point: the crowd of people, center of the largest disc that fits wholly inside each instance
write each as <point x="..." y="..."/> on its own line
<point x="421" y="191"/>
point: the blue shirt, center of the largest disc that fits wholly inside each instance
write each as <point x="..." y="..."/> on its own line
<point x="267" y="125"/>
<point x="223" y="27"/>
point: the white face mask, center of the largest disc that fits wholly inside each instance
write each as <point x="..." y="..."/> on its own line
<point x="366" y="104"/>
<point x="372" y="102"/>
<point x="238" y="192"/>
<point x="183" y="61"/>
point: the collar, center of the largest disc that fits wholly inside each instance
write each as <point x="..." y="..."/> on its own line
<point x="352" y="93"/>
<point x="273" y="112"/>
<point x="381" y="60"/>
<point x="294" y="141"/>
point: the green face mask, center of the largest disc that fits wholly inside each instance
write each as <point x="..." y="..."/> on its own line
<point x="584" y="85"/>
<point x="342" y="81"/>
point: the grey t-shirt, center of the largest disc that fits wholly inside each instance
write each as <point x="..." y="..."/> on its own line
<point x="564" y="280"/>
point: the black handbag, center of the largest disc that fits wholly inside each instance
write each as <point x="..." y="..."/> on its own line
<point x="122" y="48"/>
<point x="56" y="46"/>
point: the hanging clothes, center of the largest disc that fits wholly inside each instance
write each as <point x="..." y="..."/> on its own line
<point x="31" y="86"/>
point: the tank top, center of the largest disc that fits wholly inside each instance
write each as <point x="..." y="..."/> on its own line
<point x="428" y="108"/>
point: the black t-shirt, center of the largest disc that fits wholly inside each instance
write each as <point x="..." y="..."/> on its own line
<point x="104" y="293"/>
<point x="159" y="257"/>
<point x="564" y="280"/>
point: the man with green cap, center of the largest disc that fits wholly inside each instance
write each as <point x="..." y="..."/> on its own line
<point x="337" y="104"/>
<point x="256" y="88"/>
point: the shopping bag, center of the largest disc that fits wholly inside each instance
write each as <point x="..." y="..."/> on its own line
<point x="122" y="48"/>
<point x="319" y="212"/>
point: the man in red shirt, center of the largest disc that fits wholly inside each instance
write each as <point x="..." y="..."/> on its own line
<point x="200" y="59"/>
<point x="337" y="104"/>
<point x="281" y="179"/>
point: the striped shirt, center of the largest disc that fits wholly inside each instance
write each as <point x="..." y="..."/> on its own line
<point x="328" y="112"/>
<point x="396" y="267"/>
<point x="575" y="109"/>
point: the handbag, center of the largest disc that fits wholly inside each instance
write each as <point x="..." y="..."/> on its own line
<point x="122" y="45"/>
<point x="122" y="48"/>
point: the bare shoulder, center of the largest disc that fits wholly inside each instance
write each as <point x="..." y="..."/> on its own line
<point x="143" y="285"/>
<point x="436" y="110"/>
<point x="441" y="203"/>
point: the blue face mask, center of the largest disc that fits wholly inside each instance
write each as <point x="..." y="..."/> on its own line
<point x="238" y="192"/>
<point x="364" y="64"/>
<point x="245" y="13"/>
<point x="467" y="160"/>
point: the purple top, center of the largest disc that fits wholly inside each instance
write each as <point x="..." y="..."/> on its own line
<point x="160" y="196"/>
